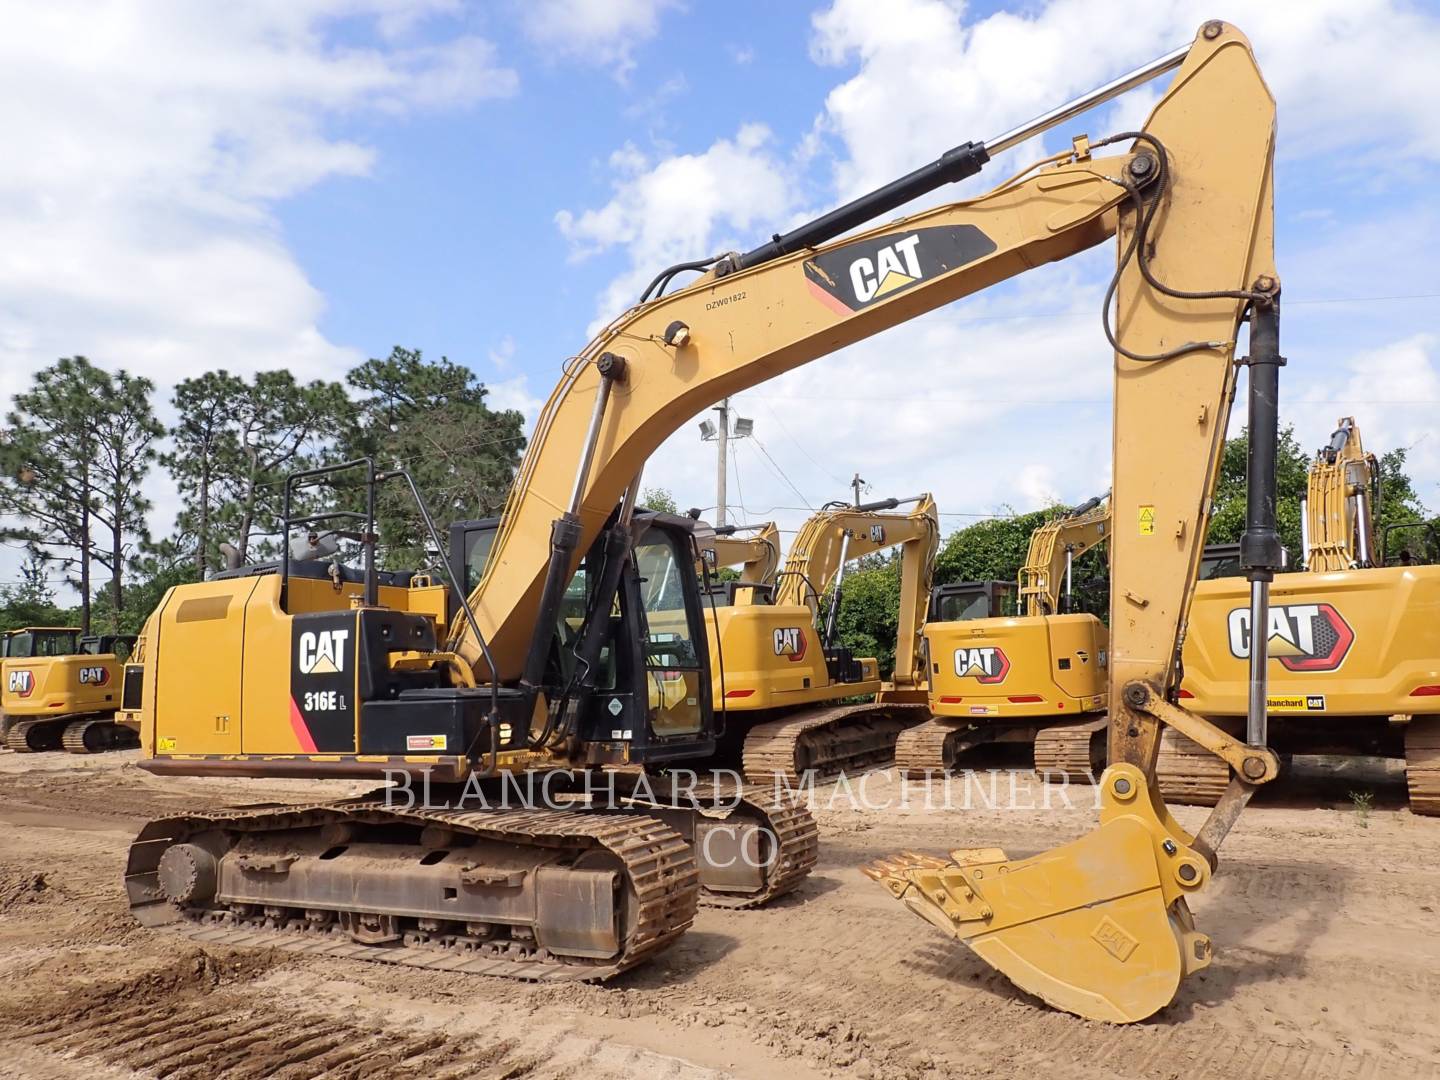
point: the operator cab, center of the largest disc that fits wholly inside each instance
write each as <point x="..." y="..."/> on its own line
<point x="33" y="641"/>
<point x="647" y="697"/>
<point x="963" y="601"/>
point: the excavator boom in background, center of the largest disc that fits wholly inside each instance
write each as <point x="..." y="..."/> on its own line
<point x="584" y="644"/>
<point x="758" y="557"/>
<point x="779" y="670"/>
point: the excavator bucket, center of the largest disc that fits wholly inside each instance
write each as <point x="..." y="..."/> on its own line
<point x="1098" y="927"/>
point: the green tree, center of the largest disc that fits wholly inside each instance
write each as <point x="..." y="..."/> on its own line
<point x="659" y="499"/>
<point x="204" y="450"/>
<point x="280" y="426"/>
<point x="125" y="434"/>
<point x="78" y="447"/>
<point x="1292" y="470"/>
<point x="990" y="550"/>
<point x="431" y="418"/>
<point x="869" y="616"/>
<point x="31" y="602"/>
<point x="1397" y="501"/>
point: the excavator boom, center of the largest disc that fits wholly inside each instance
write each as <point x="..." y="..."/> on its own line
<point x="1053" y="549"/>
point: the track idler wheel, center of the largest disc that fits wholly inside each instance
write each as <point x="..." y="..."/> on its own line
<point x="1098" y="927"/>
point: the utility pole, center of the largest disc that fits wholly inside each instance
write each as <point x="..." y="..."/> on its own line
<point x="744" y="429"/>
<point x="723" y="440"/>
<point x="856" y="483"/>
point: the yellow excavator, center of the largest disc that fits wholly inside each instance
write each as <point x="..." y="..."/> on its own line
<point x="61" y="690"/>
<point x="1354" y="646"/>
<point x="358" y="675"/>
<point x="779" y="672"/>
<point x="1037" y="677"/>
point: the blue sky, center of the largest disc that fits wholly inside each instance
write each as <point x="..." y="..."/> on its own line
<point x="304" y="183"/>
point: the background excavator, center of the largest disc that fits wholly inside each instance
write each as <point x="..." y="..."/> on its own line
<point x="61" y="690"/>
<point x="1354" y="645"/>
<point x="1038" y="677"/>
<point x="779" y="668"/>
<point x="278" y="673"/>
<point x="758" y="557"/>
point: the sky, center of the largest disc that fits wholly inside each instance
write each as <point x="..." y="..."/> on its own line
<point x="305" y="183"/>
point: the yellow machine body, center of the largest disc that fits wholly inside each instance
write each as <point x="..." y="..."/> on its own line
<point x="215" y="662"/>
<point x="769" y="656"/>
<point x="33" y="687"/>
<point x="1344" y="643"/>
<point x="1018" y="668"/>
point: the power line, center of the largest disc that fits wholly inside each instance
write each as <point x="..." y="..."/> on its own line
<point x="789" y="483"/>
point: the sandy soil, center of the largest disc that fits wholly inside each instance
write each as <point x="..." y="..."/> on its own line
<point x="1325" y="932"/>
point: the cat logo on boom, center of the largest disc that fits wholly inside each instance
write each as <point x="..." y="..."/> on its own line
<point x="1302" y="637"/>
<point x="322" y="652"/>
<point x="790" y="643"/>
<point x="988" y="664"/>
<point x="21" y="683"/>
<point x="854" y="276"/>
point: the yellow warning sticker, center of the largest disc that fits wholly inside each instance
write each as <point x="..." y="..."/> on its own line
<point x="424" y="742"/>
<point x="1147" y="521"/>
<point x="1293" y="703"/>
<point x="165" y="744"/>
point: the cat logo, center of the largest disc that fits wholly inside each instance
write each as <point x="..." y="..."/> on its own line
<point x="20" y="683"/>
<point x="987" y="664"/>
<point x="790" y="643"/>
<point x="877" y="534"/>
<point x="323" y="652"/>
<point x="853" y="276"/>
<point x="1302" y="637"/>
<point x="94" y="676"/>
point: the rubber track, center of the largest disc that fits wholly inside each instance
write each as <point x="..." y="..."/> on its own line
<point x="1187" y="772"/>
<point x="1422" y="764"/>
<point x="772" y="749"/>
<point x="660" y="868"/>
<point x="1065" y="749"/>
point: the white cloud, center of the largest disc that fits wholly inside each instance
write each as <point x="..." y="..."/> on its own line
<point x="145" y="142"/>
<point x="144" y="145"/>
<point x="603" y="32"/>
<point x="993" y="402"/>
<point x="681" y="207"/>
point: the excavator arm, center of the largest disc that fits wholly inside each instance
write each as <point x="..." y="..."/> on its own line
<point x="1338" y="516"/>
<point x="1054" y="547"/>
<point x="758" y="556"/>
<point x="1099" y="927"/>
<point x="832" y="538"/>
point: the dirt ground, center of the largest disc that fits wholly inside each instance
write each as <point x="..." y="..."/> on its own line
<point x="1324" y="922"/>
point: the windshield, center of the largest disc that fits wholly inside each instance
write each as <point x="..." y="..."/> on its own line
<point x="43" y="643"/>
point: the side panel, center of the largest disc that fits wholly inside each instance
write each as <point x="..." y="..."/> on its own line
<point x="1353" y="642"/>
<point x="771" y="657"/>
<point x="981" y="667"/>
<point x="196" y="657"/>
<point x="59" y="685"/>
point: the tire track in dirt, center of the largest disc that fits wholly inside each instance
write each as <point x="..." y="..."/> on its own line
<point x="197" y="1017"/>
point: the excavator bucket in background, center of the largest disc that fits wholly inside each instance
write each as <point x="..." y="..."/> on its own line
<point x="1100" y="926"/>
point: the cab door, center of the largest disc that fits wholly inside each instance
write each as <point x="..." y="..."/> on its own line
<point x="674" y="660"/>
